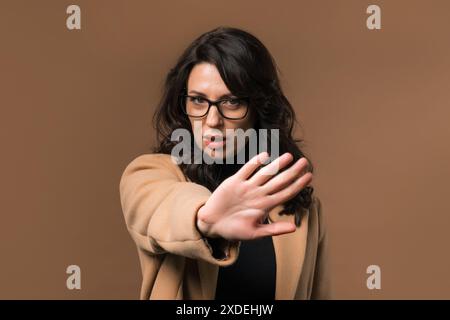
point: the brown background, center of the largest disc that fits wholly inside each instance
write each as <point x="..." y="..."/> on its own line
<point x="77" y="106"/>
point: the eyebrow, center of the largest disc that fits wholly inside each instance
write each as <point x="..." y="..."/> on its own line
<point x="227" y="95"/>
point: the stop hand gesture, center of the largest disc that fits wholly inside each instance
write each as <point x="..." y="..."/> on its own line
<point x="238" y="207"/>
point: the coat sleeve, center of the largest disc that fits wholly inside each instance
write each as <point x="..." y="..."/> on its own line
<point x="322" y="286"/>
<point x="160" y="209"/>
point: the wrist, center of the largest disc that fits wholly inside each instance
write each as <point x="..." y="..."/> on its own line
<point x="203" y="227"/>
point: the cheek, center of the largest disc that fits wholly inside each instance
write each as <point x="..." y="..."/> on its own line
<point x="249" y="121"/>
<point x="245" y="124"/>
<point x="197" y="129"/>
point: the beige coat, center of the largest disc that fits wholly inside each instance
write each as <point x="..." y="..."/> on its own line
<point x="160" y="205"/>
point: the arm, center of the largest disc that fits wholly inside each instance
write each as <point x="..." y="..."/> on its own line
<point x="160" y="209"/>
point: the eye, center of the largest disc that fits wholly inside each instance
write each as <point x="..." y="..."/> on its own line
<point x="232" y="102"/>
<point x="197" y="100"/>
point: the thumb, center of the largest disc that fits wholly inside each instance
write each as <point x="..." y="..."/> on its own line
<point x="274" y="229"/>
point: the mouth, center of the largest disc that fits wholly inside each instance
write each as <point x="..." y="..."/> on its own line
<point x="214" y="141"/>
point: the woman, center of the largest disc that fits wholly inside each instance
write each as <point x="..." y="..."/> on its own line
<point x="215" y="230"/>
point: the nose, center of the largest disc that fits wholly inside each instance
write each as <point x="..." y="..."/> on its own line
<point x="214" y="118"/>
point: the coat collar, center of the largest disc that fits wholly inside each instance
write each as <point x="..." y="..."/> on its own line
<point x="290" y="252"/>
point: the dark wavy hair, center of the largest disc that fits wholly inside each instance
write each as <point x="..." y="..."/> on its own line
<point x="248" y="69"/>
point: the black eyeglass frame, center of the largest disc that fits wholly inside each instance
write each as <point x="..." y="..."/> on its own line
<point x="213" y="103"/>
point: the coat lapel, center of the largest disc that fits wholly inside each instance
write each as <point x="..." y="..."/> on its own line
<point x="289" y="254"/>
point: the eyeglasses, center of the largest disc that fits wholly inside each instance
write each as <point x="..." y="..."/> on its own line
<point x="229" y="108"/>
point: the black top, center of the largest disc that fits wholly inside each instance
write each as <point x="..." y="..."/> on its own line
<point x="253" y="274"/>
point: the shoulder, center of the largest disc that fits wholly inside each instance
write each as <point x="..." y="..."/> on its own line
<point x="154" y="163"/>
<point x="316" y="216"/>
<point x="317" y="204"/>
<point x="153" y="159"/>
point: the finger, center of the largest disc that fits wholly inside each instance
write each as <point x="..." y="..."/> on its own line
<point x="274" y="229"/>
<point x="271" y="169"/>
<point x="286" y="177"/>
<point x="290" y="191"/>
<point x="254" y="163"/>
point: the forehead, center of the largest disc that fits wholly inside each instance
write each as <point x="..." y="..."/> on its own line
<point x="205" y="78"/>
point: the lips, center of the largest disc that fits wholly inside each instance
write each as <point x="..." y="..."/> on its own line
<point x="214" y="141"/>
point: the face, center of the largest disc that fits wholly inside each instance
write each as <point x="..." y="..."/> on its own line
<point x="205" y="81"/>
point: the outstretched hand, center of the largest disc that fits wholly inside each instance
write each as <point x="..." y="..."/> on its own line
<point x="238" y="207"/>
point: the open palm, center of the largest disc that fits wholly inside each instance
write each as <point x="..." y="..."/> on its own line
<point x="238" y="207"/>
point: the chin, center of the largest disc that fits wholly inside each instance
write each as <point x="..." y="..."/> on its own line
<point x="215" y="153"/>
